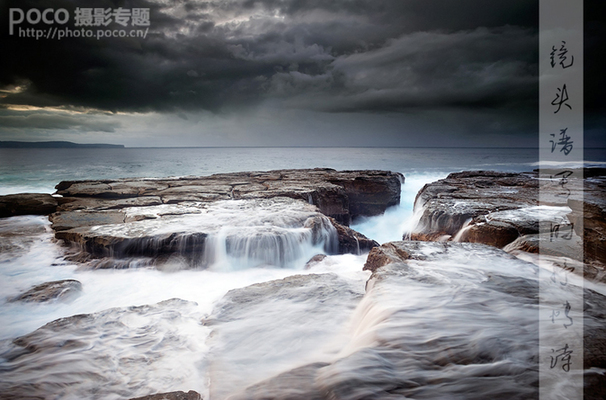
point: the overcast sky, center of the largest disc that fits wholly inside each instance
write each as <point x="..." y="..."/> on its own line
<point x="280" y="73"/>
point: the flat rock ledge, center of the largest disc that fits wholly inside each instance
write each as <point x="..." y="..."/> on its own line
<point x="502" y="210"/>
<point x="343" y="195"/>
<point x="115" y="220"/>
<point x="27" y="204"/>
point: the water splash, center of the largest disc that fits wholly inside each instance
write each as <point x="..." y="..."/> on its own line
<point x="400" y="220"/>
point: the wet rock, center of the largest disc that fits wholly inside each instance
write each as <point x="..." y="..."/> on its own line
<point x="318" y="258"/>
<point x="296" y="384"/>
<point x="542" y="243"/>
<point x="27" y="204"/>
<point x="419" y="332"/>
<point x="115" y="353"/>
<point x="450" y="203"/>
<point x="191" y="395"/>
<point x="368" y="195"/>
<point x="50" y="291"/>
<point x="558" y="253"/>
<point x="261" y="330"/>
<point x="184" y="216"/>
<point x="507" y="283"/>
<point x="274" y="231"/>
<point x="493" y="233"/>
<point x="590" y="213"/>
<point x="70" y="220"/>
<point x="18" y="234"/>
<point x="351" y="241"/>
<point x="441" y="320"/>
<point x="119" y="245"/>
<point x="498" y="208"/>
<point x="342" y="195"/>
<point x="268" y="231"/>
<point x="120" y="263"/>
<point x="388" y="253"/>
<point x="98" y="204"/>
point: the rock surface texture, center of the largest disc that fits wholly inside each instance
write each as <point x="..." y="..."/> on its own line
<point x="191" y="395"/>
<point x="102" y="353"/>
<point x="502" y="210"/>
<point x="438" y="320"/>
<point x="591" y="211"/>
<point x="342" y="195"/>
<point x="450" y="203"/>
<point x="27" y="204"/>
<point x="506" y="282"/>
<point x="259" y="329"/>
<point x="50" y="291"/>
<point x="155" y="218"/>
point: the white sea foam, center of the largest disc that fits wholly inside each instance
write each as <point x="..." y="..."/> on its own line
<point x="136" y="353"/>
<point x="398" y="220"/>
<point x="175" y="364"/>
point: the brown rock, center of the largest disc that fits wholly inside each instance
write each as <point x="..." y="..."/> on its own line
<point x="27" y="204"/>
<point x="590" y="213"/>
<point x="318" y="258"/>
<point x="191" y="395"/>
<point x="77" y="219"/>
<point x="49" y="291"/>
<point x="428" y="237"/>
<point x="493" y="233"/>
<point x="351" y="241"/>
<point x="391" y="267"/>
<point x="150" y="217"/>
<point x="495" y="208"/>
<point x="78" y="354"/>
<point x="100" y="245"/>
<point x="91" y="203"/>
<point x="342" y="195"/>
<point x="386" y="254"/>
<point x="296" y="384"/>
<point x="371" y="194"/>
<point x="242" y="349"/>
<point x="450" y="203"/>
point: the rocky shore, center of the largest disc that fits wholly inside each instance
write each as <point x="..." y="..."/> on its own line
<point x="153" y="219"/>
<point x="450" y="311"/>
<point x="390" y="356"/>
<point x="502" y="210"/>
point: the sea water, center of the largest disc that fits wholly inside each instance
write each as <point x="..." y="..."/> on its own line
<point x="136" y="357"/>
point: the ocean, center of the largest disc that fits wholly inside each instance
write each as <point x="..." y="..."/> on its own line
<point x="39" y="170"/>
<point x="141" y="358"/>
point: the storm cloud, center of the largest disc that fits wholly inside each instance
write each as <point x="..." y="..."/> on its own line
<point x="401" y="58"/>
<point x="218" y="54"/>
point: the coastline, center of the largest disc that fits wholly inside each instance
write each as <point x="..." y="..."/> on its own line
<point x="390" y="264"/>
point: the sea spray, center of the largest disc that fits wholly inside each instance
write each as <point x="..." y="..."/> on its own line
<point x="234" y="234"/>
<point x="461" y="232"/>
<point x="445" y="325"/>
<point x="397" y="221"/>
<point x="168" y="346"/>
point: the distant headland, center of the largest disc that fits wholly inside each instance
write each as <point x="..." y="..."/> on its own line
<point x="56" y="145"/>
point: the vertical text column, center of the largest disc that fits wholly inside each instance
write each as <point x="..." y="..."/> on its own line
<point x="561" y="180"/>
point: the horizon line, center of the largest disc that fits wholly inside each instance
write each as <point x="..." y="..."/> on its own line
<point x="325" y="147"/>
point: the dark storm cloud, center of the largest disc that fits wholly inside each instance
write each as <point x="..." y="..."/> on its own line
<point x="324" y="55"/>
<point x="46" y="120"/>
<point x="480" y="68"/>
<point x="417" y="15"/>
